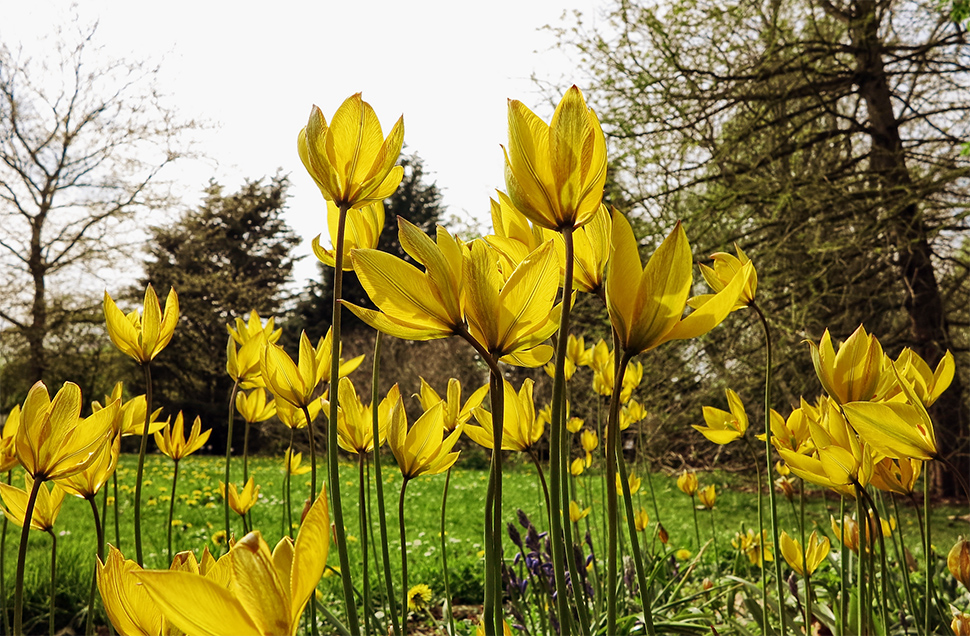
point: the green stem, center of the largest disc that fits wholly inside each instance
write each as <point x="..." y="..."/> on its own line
<point x="766" y="626"/>
<point x="497" y="397"/>
<point x="404" y="551"/>
<point x="246" y="451"/>
<point x="362" y="518"/>
<point x="697" y="528"/>
<point x="901" y="559"/>
<point x="772" y="500"/>
<point x="99" y="532"/>
<point x="18" y="603"/>
<point x="53" y="599"/>
<point x="333" y="468"/>
<point x="379" y="481"/>
<point x="808" y="585"/>
<point x="645" y="592"/>
<point x="877" y="532"/>
<point x="843" y="570"/>
<point x="717" y="558"/>
<point x="861" y="575"/>
<point x="927" y="551"/>
<point x="171" y="510"/>
<point x="232" y="419"/>
<point x="289" y="499"/>
<point x="3" y="578"/>
<point x="141" y="462"/>
<point x="114" y="508"/>
<point x="612" y="514"/>
<point x="444" y="556"/>
<point x="313" y="455"/>
<point x="561" y="551"/>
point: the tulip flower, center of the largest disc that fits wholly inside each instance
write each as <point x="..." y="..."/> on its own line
<point x="896" y="475"/>
<point x="296" y="383"/>
<point x="521" y="430"/>
<point x="268" y="590"/>
<point x="293" y="417"/>
<point x="577" y="352"/>
<point x="555" y="174"/>
<point x="569" y="369"/>
<point x="687" y="482"/>
<point x="858" y="372"/>
<point x="455" y="413"/>
<point x="726" y="267"/>
<point x="251" y="335"/>
<point x="253" y="328"/>
<point x="576" y="513"/>
<point x="514" y="238"/>
<point x="707" y="496"/>
<point x="632" y="481"/>
<point x="960" y="625"/>
<point x="814" y="555"/>
<point x="350" y="160"/>
<point x="847" y="532"/>
<point x="241" y="502"/>
<point x="53" y="441"/>
<point x="577" y="466"/>
<point x="130" y="417"/>
<point x="646" y="304"/>
<point x="424" y="449"/>
<point x="958" y="562"/>
<point x="46" y="509"/>
<point x="355" y="427"/>
<point x="641" y="519"/>
<point x="292" y="463"/>
<point x="723" y="427"/>
<point x="142" y="337"/>
<point x="87" y="483"/>
<point x="173" y="442"/>
<point x="928" y="385"/>
<point x="127" y="603"/>
<point x="363" y="230"/>
<point x="413" y="305"/>
<point x="8" y="447"/>
<point x="254" y="407"/>
<point x="756" y="548"/>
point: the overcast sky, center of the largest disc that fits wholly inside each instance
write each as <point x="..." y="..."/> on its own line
<point x="255" y="68"/>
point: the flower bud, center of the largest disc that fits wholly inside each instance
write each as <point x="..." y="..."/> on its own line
<point x="958" y="561"/>
<point x="662" y="533"/>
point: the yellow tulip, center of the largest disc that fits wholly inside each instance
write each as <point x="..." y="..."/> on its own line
<point x="424" y="449"/>
<point x="142" y="337"/>
<point x="521" y="429"/>
<point x="267" y="591"/>
<point x="707" y="496"/>
<point x="414" y="305"/>
<point x="577" y="466"/>
<point x="130" y="417"/>
<point x="569" y="369"/>
<point x="292" y="463"/>
<point x="631" y="413"/>
<point x="514" y="238"/>
<point x="293" y="417"/>
<point x="756" y="548"/>
<point x="89" y="481"/>
<point x="792" y="434"/>
<point x="53" y="441"/>
<point x="251" y="336"/>
<point x="253" y="329"/>
<point x="632" y="481"/>
<point x="726" y="267"/>
<point x="576" y="513"/>
<point x="960" y="625"/>
<point x="8" y="448"/>
<point x="254" y="407"/>
<point x="787" y="487"/>
<point x="847" y="532"/>
<point x="591" y="250"/>
<point x="573" y="424"/>
<point x="646" y="304"/>
<point x="362" y="231"/>
<point x="173" y="442"/>
<point x="815" y="553"/>
<point x="641" y="519"/>
<point x="555" y="174"/>
<point x="927" y="384"/>
<point x="577" y="352"/>
<point x="126" y="602"/>
<point x="355" y="425"/>
<point x="858" y="372"/>
<point x="958" y="562"/>
<point x="782" y="469"/>
<point x="350" y="160"/>
<point x="687" y="482"/>
<point x="589" y="441"/>
<point x="723" y="427"/>
<point x="241" y="502"/>
<point x="455" y="413"/>
<point x="511" y="318"/>
<point x="896" y="475"/>
<point x="297" y="382"/>
<point x="46" y="507"/>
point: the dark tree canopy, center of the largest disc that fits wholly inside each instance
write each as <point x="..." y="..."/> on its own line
<point x="230" y="256"/>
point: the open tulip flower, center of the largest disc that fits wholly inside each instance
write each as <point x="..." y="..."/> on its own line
<point x="723" y="427"/>
<point x="292" y="463"/>
<point x="576" y="513"/>
<point x="708" y="496"/>
<point x="577" y="352"/>
<point x="251" y="335"/>
<point x="89" y="481"/>
<point x="414" y="305"/>
<point x="142" y="337"/>
<point x="253" y="329"/>
<point x="555" y="174"/>
<point x="646" y="304"/>
<point x="455" y="413"/>
<point x="521" y="429"/>
<point x="858" y="372"/>
<point x="46" y="508"/>
<point x="632" y="481"/>
<point x="349" y="159"/>
<point x="53" y="441"/>
<point x="296" y="383"/>
<point x="127" y="602"/>
<point x="927" y="384"/>
<point x="293" y="417"/>
<point x="687" y="482"/>
<point x="424" y="449"/>
<point x="363" y="230"/>
<point x="726" y="267"/>
<point x="896" y="475"/>
<point x="815" y="553"/>
<point x="515" y="237"/>
<point x="130" y="417"/>
<point x="8" y="449"/>
<point x="355" y="425"/>
<point x="254" y="407"/>
<point x="241" y="502"/>
<point x="266" y="592"/>
<point x="173" y="442"/>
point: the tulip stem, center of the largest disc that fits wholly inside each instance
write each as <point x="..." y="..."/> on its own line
<point x="863" y="518"/>
<point x="379" y="483"/>
<point x="99" y="531"/>
<point x="114" y="509"/>
<point x="843" y="569"/>
<point x="927" y="552"/>
<point x="611" y="501"/>
<point x="232" y="418"/>
<point x="761" y="540"/>
<point x="288" y="517"/>
<point x="3" y="552"/>
<point x="313" y="455"/>
<point x="362" y="518"/>
<point x="333" y="468"/>
<point x="493" y="521"/>
<point x="141" y="462"/>
<point x="53" y="594"/>
<point x="901" y="559"/>
<point x="808" y="574"/>
<point x="444" y="556"/>
<point x="772" y="501"/>
<point x="717" y="558"/>
<point x="404" y="551"/>
<point x="171" y="509"/>
<point x="877" y="532"/>
<point x="18" y="602"/>
<point x="697" y="527"/>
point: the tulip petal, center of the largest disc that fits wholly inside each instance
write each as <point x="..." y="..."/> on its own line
<point x="213" y="610"/>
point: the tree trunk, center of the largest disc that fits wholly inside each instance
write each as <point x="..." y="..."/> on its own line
<point x="923" y="303"/>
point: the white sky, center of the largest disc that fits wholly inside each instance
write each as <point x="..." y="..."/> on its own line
<point x="255" y="68"/>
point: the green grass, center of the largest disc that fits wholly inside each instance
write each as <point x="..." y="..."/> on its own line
<point x="199" y="515"/>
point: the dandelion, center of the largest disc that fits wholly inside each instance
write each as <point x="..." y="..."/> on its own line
<point x="419" y="596"/>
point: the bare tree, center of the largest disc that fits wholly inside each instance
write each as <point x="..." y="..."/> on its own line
<point x="83" y="138"/>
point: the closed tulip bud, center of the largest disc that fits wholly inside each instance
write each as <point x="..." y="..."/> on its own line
<point x="687" y="483"/>
<point x="662" y="534"/>
<point x="958" y="562"/>
<point x="786" y="486"/>
<point x="576" y="513"/>
<point x="708" y="496"/>
<point x="960" y="624"/>
<point x="707" y="584"/>
<point x="577" y="467"/>
<point x="641" y="519"/>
